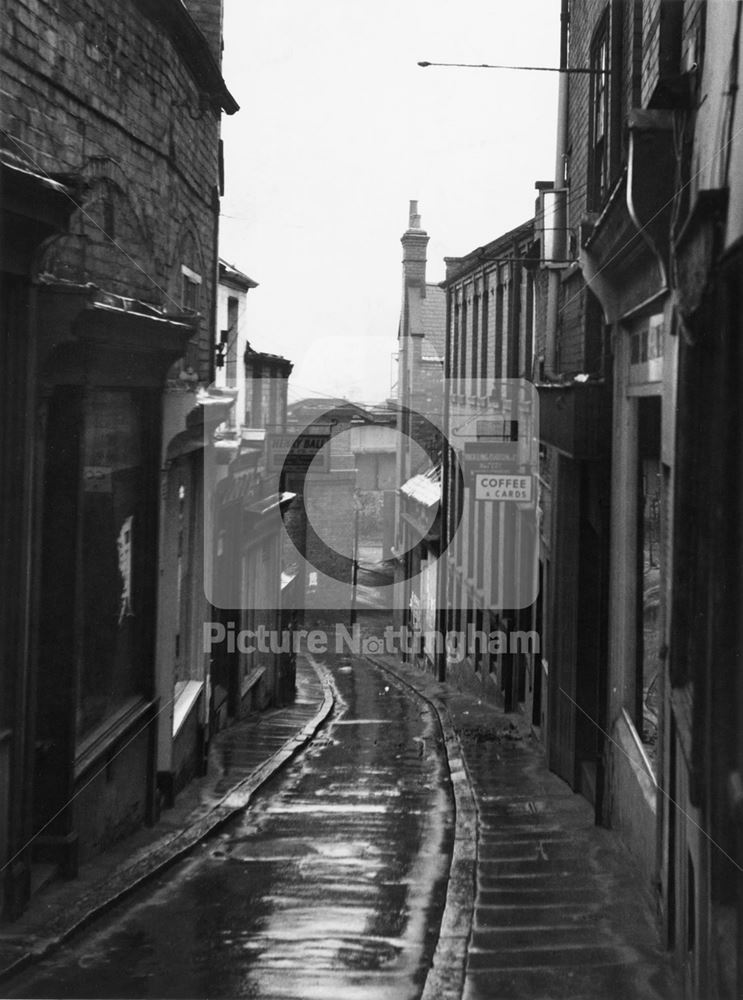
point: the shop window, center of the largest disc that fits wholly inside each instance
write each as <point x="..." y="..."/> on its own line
<point x="111" y="558"/>
<point x="649" y="568"/>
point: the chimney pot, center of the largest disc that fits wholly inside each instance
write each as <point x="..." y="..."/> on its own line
<point x="414" y="221"/>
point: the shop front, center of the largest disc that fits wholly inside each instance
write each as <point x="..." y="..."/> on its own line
<point x="103" y="361"/>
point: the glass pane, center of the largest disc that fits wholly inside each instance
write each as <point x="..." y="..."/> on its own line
<point x="650" y="528"/>
<point x="111" y="484"/>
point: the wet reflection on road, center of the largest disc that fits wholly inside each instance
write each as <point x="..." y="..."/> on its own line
<point x="330" y="886"/>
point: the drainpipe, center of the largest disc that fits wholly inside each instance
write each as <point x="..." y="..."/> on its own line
<point x="560" y="204"/>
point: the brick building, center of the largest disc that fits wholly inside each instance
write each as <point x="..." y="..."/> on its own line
<point x="693" y="74"/>
<point x="640" y="640"/>
<point x="110" y="197"/>
<point x="606" y="412"/>
<point x="488" y="580"/>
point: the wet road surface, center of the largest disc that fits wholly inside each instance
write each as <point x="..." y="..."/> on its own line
<point x="330" y="886"/>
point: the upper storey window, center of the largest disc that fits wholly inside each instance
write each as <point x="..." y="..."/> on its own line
<point x="599" y="122"/>
<point x="190" y="289"/>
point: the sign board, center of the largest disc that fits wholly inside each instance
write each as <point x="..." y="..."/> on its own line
<point x="304" y="447"/>
<point x="501" y="431"/>
<point x="504" y="486"/>
<point x="489" y="456"/>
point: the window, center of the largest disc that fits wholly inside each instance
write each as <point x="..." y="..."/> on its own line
<point x="599" y="139"/>
<point x="484" y="348"/>
<point x="455" y="348"/>
<point x="475" y="340"/>
<point x="648" y="625"/>
<point x="231" y="352"/>
<point x="190" y="289"/>
<point x="499" y="322"/>
<point x="463" y="347"/>
<point x="256" y="416"/>
<point x="111" y="562"/>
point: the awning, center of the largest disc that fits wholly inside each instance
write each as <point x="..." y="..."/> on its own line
<point x="272" y="502"/>
<point x="210" y="409"/>
<point x="145" y="340"/>
<point x="425" y="488"/>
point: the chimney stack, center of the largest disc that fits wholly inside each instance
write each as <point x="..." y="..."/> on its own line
<point x="414" y="243"/>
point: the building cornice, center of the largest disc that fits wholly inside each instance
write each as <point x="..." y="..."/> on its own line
<point x="186" y="36"/>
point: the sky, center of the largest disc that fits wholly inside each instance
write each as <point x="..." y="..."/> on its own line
<point x="339" y="129"/>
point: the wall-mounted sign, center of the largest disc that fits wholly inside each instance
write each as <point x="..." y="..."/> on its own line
<point x="504" y="486"/>
<point x="489" y="456"/>
<point x="296" y="452"/>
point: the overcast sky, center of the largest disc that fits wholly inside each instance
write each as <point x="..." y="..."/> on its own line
<point x="339" y="128"/>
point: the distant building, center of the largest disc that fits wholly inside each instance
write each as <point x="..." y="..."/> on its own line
<point x="420" y="400"/>
<point x="359" y="453"/>
<point x="487" y="582"/>
<point x="232" y="338"/>
<point x="249" y="588"/>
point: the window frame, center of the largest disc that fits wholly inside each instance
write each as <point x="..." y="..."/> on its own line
<point x="599" y="139"/>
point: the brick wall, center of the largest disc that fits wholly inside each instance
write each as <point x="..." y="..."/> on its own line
<point x="96" y="91"/>
<point x="208" y="15"/>
<point x="584" y="14"/>
<point x="330" y="507"/>
<point x="571" y="325"/>
<point x="626" y="26"/>
<point x="651" y="48"/>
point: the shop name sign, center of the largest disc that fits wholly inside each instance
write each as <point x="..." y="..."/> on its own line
<point x="483" y="456"/>
<point x="504" y="486"/>
<point x="295" y="452"/>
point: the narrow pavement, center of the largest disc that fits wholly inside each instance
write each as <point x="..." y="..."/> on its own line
<point x="241" y="759"/>
<point x="559" y="911"/>
<point x="330" y="885"/>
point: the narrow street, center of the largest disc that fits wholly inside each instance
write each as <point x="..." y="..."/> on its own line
<point x="330" y="885"/>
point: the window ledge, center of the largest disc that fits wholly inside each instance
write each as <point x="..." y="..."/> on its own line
<point x="184" y="702"/>
<point x="251" y="680"/>
<point x="102" y="738"/>
<point x="641" y="752"/>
